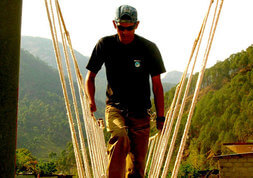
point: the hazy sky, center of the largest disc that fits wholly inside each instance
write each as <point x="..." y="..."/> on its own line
<point x="171" y="24"/>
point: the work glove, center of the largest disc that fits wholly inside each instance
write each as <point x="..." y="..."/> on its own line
<point x="160" y="122"/>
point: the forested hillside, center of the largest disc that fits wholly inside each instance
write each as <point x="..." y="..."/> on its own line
<point x="223" y="113"/>
<point x="42" y="123"/>
<point x="43" y="49"/>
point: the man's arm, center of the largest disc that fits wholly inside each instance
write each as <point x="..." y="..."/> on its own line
<point x="158" y="95"/>
<point x="90" y="89"/>
<point x="159" y="100"/>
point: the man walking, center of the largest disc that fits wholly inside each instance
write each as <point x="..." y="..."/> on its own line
<point x="129" y="60"/>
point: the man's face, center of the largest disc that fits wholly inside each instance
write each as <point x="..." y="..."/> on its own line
<point x="126" y="31"/>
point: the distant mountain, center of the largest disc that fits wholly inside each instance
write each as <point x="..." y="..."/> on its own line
<point x="43" y="49"/>
<point x="172" y="77"/>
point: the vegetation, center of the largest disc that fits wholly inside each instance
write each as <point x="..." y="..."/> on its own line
<point x="42" y="121"/>
<point x="64" y="163"/>
<point x="223" y="113"/>
<point x="26" y="163"/>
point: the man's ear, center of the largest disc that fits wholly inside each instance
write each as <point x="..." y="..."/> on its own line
<point x="137" y="23"/>
<point x="114" y="24"/>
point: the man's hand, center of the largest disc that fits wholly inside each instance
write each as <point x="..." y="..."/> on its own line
<point x="160" y="123"/>
<point x="93" y="107"/>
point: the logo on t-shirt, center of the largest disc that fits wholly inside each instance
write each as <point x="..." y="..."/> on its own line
<point x="137" y="63"/>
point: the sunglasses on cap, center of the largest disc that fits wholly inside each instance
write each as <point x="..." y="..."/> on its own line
<point x="130" y="28"/>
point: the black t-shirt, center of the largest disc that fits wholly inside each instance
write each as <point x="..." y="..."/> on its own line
<point x="128" y="68"/>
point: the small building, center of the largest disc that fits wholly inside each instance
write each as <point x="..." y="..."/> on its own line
<point x="239" y="164"/>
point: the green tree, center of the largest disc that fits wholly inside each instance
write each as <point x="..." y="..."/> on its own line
<point x="47" y="168"/>
<point x="66" y="163"/>
<point x="25" y="161"/>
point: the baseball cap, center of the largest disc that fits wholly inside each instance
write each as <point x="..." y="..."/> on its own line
<point x="126" y="13"/>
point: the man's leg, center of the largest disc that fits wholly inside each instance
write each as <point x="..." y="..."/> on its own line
<point x="138" y="133"/>
<point x="118" y="145"/>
